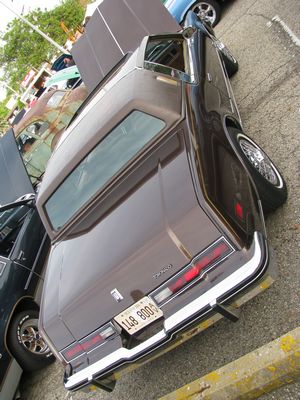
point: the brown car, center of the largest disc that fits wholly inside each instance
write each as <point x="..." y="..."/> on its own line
<point x="154" y="205"/>
<point x="39" y="130"/>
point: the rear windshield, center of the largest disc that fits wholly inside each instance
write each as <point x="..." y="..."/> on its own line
<point x="100" y="165"/>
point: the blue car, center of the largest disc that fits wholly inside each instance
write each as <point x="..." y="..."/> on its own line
<point x="209" y="10"/>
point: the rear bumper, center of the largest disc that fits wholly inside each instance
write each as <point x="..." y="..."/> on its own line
<point x="236" y="289"/>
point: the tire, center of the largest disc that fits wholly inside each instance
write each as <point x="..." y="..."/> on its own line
<point x="209" y="10"/>
<point x="268" y="180"/>
<point x="230" y="62"/>
<point x="25" y="343"/>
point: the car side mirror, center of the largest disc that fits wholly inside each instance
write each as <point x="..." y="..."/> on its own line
<point x="28" y="199"/>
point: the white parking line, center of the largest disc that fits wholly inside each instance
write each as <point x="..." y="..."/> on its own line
<point x="284" y="26"/>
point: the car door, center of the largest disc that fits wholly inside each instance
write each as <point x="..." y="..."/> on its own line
<point x="30" y="249"/>
<point x="215" y="78"/>
<point x="22" y="242"/>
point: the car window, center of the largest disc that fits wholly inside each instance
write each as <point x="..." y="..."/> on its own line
<point x="25" y="142"/>
<point x="56" y="98"/>
<point x="168" y="53"/>
<point x="101" y="164"/>
<point x="36" y="128"/>
<point x="35" y="153"/>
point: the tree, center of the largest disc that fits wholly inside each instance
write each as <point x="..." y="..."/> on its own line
<point x="25" y="48"/>
<point x="4" y="125"/>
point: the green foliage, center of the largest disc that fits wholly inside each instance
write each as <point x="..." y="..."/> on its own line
<point x="25" y="48"/>
<point x="3" y="115"/>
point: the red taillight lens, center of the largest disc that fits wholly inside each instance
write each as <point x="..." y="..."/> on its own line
<point x="206" y="260"/>
<point x="93" y="341"/>
<point x="72" y="352"/>
<point x="88" y="343"/>
<point x="239" y="211"/>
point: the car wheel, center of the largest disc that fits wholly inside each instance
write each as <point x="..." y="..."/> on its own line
<point x="209" y="10"/>
<point x="25" y="342"/>
<point x="230" y="62"/>
<point x="268" y="180"/>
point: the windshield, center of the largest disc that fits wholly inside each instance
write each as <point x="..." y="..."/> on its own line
<point x="100" y="165"/>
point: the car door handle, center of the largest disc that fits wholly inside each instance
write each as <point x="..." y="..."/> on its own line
<point x="2" y="267"/>
<point x="209" y="77"/>
<point x="21" y="255"/>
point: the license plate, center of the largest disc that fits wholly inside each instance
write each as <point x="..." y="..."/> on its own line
<point x="138" y="315"/>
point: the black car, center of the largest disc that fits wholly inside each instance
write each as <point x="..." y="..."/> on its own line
<point x="24" y="246"/>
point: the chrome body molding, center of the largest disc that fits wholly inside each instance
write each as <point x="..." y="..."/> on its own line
<point x="184" y="316"/>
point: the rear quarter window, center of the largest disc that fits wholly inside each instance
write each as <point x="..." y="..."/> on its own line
<point x="168" y="55"/>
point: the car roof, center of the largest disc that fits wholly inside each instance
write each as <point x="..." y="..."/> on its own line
<point x="64" y="74"/>
<point x="130" y="89"/>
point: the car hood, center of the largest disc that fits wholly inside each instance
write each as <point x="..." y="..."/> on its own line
<point x="14" y="180"/>
<point x="134" y="248"/>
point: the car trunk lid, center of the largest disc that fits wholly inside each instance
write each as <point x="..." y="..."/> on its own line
<point x="142" y="240"/>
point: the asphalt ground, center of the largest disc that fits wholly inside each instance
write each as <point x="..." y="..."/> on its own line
<point x="267" y="93"/>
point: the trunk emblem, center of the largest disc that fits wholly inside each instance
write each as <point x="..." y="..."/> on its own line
<point x="116" y="295"/>
<point x="162" y="271"/>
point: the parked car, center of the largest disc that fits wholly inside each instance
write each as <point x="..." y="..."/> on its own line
<point x="40" y="129"/>
<point x="67" y="78"/>
<point x="24" y="246"/>
<point x="155" y="214"/>
<point x="209" y="10"/>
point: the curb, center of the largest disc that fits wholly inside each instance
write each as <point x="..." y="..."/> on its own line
<point x="261" y="371"/>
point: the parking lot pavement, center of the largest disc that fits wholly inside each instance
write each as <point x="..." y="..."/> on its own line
<point x="267" y="89"/>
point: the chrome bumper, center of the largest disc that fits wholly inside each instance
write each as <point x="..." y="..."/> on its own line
<point x="230" y="286"/>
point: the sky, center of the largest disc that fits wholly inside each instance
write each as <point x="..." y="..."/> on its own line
<point x="21" y="7"/>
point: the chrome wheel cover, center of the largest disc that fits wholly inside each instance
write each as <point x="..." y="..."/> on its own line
<point x="30" y="338"/>
<point x="205" y="11"/>
<point x="260" y="161"/>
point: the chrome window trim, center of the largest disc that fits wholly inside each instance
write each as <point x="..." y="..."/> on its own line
<point x="207" y="299"/>
<point x="168" y="71"/>
<point x="173" y="72"/>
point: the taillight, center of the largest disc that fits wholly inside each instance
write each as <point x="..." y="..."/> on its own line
<point x="239" y="212"/>
<point x="194" y="271"/>
<point x="89" y="343"/>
